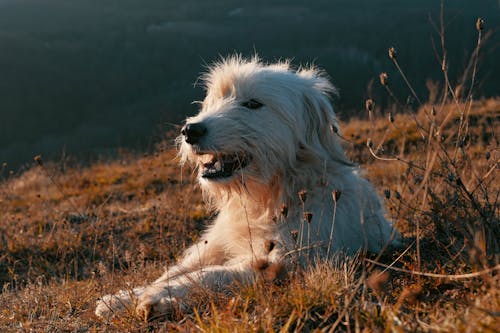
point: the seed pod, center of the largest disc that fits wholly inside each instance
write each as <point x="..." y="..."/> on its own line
<point x="336" y="195"/>
<point x="303" y="196"/>
<point x="384" y="79"/>
<point x="370" y="105"/>
<point x="284" y="210"/>
<point x="392" y="53"/>
<point x="387" y="193"/>
<point x="38" y="159"/>
<point x="479" y="24"/>
<point x="369" y="143"/>
<point x="308" y="216"/>
<point x="391" y="118"/>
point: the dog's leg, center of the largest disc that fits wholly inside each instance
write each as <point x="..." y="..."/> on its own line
<point x="164" y="297"/>
<point x="197" y="256"/>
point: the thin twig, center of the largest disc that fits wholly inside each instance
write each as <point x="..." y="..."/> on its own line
<point x="394" y="159"/>
<point x="395" y="61"/>
<point x="439" y="276"/>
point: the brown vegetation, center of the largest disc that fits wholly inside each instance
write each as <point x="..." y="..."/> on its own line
<point x="70" y="237"/>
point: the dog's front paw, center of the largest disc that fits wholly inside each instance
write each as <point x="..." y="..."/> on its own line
<point x="153" y="307"/>
<point x="109" y="305"/>
<point x="102" y="309"/>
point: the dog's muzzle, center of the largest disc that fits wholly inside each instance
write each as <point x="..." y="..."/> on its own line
<point x="213" y="165"/>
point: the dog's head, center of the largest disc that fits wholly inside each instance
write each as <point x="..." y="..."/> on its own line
<point x="259" y="122"/>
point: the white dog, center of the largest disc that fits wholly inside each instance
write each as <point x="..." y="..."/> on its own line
<point x="270" y="162"/>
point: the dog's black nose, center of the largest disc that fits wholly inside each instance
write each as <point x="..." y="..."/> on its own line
<point x="193" y="132"/>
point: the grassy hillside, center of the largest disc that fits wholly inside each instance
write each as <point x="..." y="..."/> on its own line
<point x="70" y="234"/>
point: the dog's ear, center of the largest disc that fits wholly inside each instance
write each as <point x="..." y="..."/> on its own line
<point x="322" y="128"/>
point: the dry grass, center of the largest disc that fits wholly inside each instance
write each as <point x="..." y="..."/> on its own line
<point x="91" y="231"/>
<point x="71" y="234"/>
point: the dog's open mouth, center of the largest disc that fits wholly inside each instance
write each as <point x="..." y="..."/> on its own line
<point x="218" y="166"/>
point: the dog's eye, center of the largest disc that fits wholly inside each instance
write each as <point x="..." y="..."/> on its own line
<point x="252" y="104"/>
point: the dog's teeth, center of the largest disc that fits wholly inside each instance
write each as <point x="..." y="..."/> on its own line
<point x="215" y="166"/>
<point x="218" y="166"/>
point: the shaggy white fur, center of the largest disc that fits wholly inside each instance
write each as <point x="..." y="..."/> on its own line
<point x="270" y="162"/>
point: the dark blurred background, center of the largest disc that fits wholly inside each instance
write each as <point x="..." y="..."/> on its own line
<point x="84" y="77"/>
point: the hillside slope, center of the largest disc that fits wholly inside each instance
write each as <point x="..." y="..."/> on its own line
<point x="70" y="234"/>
